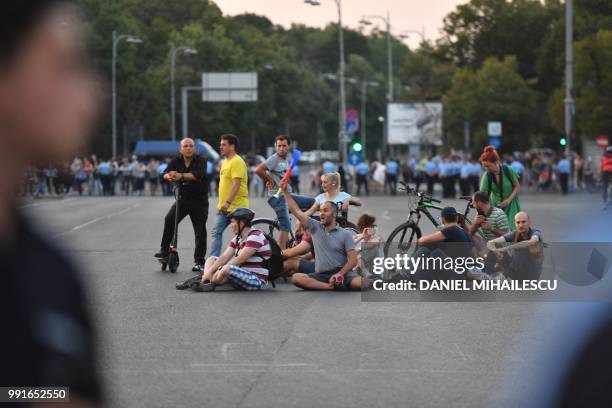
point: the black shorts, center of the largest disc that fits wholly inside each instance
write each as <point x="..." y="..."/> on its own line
<point x="307" y="267"/>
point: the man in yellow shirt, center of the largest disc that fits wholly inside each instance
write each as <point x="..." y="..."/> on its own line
<point x="233" y="191"/>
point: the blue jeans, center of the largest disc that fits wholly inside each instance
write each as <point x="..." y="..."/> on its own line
<point x="217" y="233"/>
<point x="282" y="212"/>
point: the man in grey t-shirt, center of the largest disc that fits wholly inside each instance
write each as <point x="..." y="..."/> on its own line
<point x="336" y="256"/>
<point x="272" y="172"/>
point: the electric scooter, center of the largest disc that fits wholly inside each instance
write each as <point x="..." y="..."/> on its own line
<point x="172" y="261"/>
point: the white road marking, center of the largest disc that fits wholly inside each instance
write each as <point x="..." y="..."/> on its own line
<point x="104" y="217"/>
<point x="62" y="201"/>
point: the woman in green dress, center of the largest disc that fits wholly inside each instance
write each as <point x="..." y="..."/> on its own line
<point x="502" y="184"/>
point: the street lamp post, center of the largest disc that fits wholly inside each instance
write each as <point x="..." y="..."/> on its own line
<point x="116" y="39"/>
<point x="406" y="34"/>
<point x="185" y="107"/>
<point x="366" y="20"/>
<point x="569" y="78"/>
<point x="364" y="97"/>
<point x="342" y="102"/>
<point x="173" y="52"/>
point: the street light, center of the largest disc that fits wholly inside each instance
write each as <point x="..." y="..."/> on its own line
<point x="342" y="101"/>
<point x="406" y="34"/>
<point x="173" y="52"/>
<point x="367" y="20"/>
<point x="116" y="39"/>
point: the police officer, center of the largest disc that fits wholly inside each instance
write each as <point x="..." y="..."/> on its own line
<point x="189" y="172"/>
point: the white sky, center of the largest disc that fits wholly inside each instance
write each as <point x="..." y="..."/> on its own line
<point x="405" y="14"/>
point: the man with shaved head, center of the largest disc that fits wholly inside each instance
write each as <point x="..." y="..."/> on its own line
<point x="189" y="172"/>
<point x="526" y="249"/>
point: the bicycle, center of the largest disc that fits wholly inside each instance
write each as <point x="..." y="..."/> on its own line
<point x="419" y="203"/>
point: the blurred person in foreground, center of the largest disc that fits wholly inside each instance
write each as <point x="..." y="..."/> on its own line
<point x="47" y="105"/>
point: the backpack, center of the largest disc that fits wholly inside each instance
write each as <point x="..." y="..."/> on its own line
<point x="274" y="264"/>
<point x="505" y="171"/>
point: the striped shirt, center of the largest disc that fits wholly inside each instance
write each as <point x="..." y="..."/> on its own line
<point x="498" y="221"/>
<point x="256" y="240"/>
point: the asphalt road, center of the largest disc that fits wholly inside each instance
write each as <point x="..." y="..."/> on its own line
<point x="285" y="347"/>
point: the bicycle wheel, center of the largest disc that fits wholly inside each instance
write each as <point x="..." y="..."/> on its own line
<point x="266" y="225"/>
<point x="402" y="240"/>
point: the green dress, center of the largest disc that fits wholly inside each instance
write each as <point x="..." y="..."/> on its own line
<point x="508" y="185"/>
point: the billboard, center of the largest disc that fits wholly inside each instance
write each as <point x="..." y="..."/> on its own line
<point x="229" y="87"/>
<point x="414" y="123"/>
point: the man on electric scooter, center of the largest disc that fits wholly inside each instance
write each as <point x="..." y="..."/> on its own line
<point x="189" y="170"/>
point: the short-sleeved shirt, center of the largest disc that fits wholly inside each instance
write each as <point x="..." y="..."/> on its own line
<point x="277" y="167"/>
<point x="498" y="220"/>
<point x="362" y="169"/>
<point x="392" y="167"/>
<point x="457" y="242"/>
<point x="517" y="166"/>
<point x="329" y="167"/>
<point x="338" y="199"/>
<point x="330" y="246"/>
<point x="564" y="166"/>
<point x="256" y="239"/>
<point x="536" y="253"/>
<point x="508" y="185"/>
<point x="231" y="169"/>
<point x="191" y="190"/>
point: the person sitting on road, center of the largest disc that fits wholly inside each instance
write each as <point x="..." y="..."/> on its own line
<point x="452" y="241"/>
<point x="490" y="223"/>
<point x="367" y="240"/>
<point x="241" y="265"/>
<point x="300" y="258"/>
<point x="330" y="183"/>
<point x="525" y="261"/>
<point x="334" y="246"/>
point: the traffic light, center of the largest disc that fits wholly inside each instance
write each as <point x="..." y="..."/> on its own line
<point x="563" y="141"/>
<point x="356" y="146"/>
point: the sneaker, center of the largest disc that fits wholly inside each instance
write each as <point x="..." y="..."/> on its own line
<point x="161" y="254"/>
<point x="203" y="287"/>
<point x="186" y="284"/>
<point x="199" y="268"/>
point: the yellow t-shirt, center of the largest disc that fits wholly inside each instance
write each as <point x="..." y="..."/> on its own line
<point x="231" y="169"/>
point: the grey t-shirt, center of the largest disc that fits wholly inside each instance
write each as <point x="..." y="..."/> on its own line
<point x="330" y="246"/>
<point x="277" y="166"/>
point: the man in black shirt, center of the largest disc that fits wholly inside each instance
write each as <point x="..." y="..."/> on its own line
<point x="189" y="172"/>
<point x="47" y="104"/>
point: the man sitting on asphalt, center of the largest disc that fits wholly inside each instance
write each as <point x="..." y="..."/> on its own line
<point x="452" y="241"/>
<point x="334" y="246"/>
<point x="490" y="223"/>
<point x="241" y="265"/>
<point x="526" y="258"/>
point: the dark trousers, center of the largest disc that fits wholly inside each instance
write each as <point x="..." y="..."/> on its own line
<point x="464" y="183"/>
<point x="362" y="180"/>
<point x="105" y="179"/>
<point x="430" y="184"/>
<point x="475" y="181"/>
<point x="606" y="178"/>
<point x="564" y="180"/>
<point x="198" y="213"/>
<point x="392" y="183"/>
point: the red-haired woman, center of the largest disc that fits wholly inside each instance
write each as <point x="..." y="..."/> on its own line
<point x="501" y="182"/>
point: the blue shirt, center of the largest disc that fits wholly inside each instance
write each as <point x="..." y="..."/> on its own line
<point x="104" y="168"/>
<point x="444" y="169"/>
<point x="392" y="167"/>
<point x="466" y="169"/>
<point x="455" y="168"/>
<point x="362" y="168"/>
<point x="476" y="169"/>
<point x="210" y="167"/>
<point x="564" y="166"/>
<point x="430" y="167"/>
<point x="295" y="171"/>
<point x="329" y="167"/>
<point x="517" y="166"/>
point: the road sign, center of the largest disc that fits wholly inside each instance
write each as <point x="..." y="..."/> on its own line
<point x="229" y="87"/>
<point x="494" y="129"/>
<point x="355" y="158"/>
<point x="602" y="142"/>
<point x="352" y="121"/>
